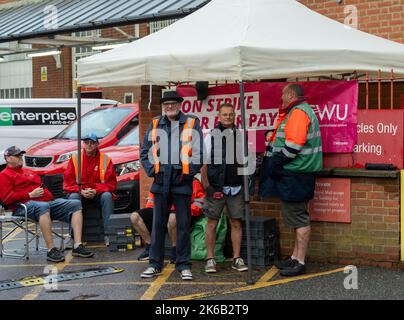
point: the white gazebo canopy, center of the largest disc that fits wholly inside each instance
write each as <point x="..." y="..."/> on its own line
<point x="243" y="40"/>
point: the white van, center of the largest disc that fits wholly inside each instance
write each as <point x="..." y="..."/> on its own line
<point x="24" y="122"/>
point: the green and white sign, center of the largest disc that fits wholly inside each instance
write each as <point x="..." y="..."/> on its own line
<point x="36" y="116"/>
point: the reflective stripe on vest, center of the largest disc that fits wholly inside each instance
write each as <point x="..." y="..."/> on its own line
<point x="310" y="158"/>
<point x="104" y="162"/>
<point x="186" y="150"/>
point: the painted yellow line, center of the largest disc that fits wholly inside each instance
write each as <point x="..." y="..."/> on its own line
<point x="37" y="290"/>
<point x="136" y="283"/>
<point x="402" y="214"/>
<point x="269" y="275"/>
<point x="15" y="233"/>
<point x="258" y="285"/>
<point x="73" y="264"/>
<point x="158" y="283"/>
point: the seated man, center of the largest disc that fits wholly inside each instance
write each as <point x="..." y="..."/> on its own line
<point x="23" y="186"/>
<point x="98" y="178"/>
<point x="142" y="220"/>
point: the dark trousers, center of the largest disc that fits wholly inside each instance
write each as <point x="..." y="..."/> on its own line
<point x="162" y="205"/>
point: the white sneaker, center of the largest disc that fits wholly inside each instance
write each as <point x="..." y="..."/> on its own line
<point x="150" y="272"/>
<point x="186" y="274"/>
<point x="239" y="265"/>
<point x="106" y="241"/>
<point x="210" y="266"/>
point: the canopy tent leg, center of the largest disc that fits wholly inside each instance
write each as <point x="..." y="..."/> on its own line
<point x="79" y="139"/>
<point x="250" y="281"/>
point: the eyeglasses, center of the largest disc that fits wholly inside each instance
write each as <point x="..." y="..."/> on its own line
<point x="171" y="105"/>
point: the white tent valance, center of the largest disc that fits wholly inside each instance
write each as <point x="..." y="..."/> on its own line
<point x="243" y="40"/>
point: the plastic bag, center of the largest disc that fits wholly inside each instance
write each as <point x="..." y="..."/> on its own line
<point x="198" y="245"/>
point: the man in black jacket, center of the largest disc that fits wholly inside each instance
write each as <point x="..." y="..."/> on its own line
<point x="172" y="154"/>
<point x="223" y="183"/>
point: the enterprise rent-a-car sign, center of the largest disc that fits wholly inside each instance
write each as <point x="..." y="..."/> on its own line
<point x="36" y="116"/>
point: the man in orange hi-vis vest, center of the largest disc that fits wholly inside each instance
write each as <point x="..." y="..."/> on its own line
<point x="172" y="154"/>
<point x="98" y="178"/>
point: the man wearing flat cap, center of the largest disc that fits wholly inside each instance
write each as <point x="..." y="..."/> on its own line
<point x="98" y="178"/>
<point x="23" y="186"/>
<point x="172" y="154"/>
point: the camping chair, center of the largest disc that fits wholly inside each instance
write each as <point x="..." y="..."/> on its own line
<point x="23" y="223"/>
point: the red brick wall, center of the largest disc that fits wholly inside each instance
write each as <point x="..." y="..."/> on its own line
<point x="118" y="93"/>
<point x="379" y="17"/>
<point x="59" y="84"/>
<point x="373" y="237"/>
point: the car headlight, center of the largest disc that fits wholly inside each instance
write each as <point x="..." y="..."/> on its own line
<point x="128" y="167"/>
<point x="64" y="157"/>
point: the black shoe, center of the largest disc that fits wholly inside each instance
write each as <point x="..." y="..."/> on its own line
<point x="173" y="257"/>
<point x="282" y="264"/>
<point x="296" y="269"/>
<point x="55" y="255"/>
<point x="82" y="252"/>
<point x="144" y="256"/>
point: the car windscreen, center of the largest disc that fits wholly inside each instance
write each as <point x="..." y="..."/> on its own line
<point x="131" y="139"/>
<point x="98" y="121"/>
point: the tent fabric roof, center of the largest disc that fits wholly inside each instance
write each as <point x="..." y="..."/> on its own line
<point x="77" y="15"/>
<point x="249" y="40"/>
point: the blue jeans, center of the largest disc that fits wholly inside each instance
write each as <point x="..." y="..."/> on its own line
<point x="59" y="209"/>
<point x="104" y="201"/>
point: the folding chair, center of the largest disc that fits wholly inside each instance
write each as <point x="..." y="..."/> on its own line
<point x="23" y="223"/>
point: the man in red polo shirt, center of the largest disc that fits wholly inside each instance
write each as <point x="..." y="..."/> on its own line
<point x="22" y="186"/>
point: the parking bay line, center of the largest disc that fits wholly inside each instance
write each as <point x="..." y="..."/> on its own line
<point x="156" y="285"/>
<point x="258" y="285"/>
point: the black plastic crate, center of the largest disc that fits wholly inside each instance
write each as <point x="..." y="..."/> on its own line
<point x="120" y="220"/>
<point x="121" y="239"/>
<point x="93" y="237"/>
<point x="120" y="231"/>
<point x="121" y="247"/>
<point x="260" y="227"/>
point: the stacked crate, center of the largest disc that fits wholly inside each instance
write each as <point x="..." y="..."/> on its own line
<point x="264" y="241"/>
<point x="93" y="226"/>
<point x="121" y="235"/>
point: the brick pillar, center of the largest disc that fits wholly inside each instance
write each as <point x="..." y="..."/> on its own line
<point x="145" y="118"/>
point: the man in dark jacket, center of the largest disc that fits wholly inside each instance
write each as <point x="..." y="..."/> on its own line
<point x="172" y="154"/>
<point x="224" y="185"/>
<point x="288" y="172"/>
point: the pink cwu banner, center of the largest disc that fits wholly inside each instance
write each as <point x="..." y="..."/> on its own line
<point x="334" y="102"/>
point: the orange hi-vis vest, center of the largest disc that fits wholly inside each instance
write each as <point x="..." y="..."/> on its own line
<point x="104" y="162"/>
<point x="186" y="150"/>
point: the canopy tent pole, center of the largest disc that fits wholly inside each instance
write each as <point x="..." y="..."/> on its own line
<point x="250" y="281"/>
<point x="79" y="139"/>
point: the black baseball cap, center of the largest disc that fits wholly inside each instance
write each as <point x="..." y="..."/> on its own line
<point x="13" y="151"/>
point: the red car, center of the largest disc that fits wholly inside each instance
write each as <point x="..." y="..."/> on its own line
<point x="117" y="130"/>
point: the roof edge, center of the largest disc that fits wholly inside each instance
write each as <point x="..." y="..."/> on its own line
<point x="17" y="4"/>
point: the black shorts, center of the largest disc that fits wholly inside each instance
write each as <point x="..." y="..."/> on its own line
<point x="147" y="216"/>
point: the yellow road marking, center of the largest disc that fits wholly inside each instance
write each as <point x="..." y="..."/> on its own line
<point x="37" y="290"/>
<point x="158" y="283"/>
<point x="74" y="264"/>
<point x="183" y="283"/>
<point x="15" y="233"/>
<point x="269" y="275"/>
<point x="258" y="285"/>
